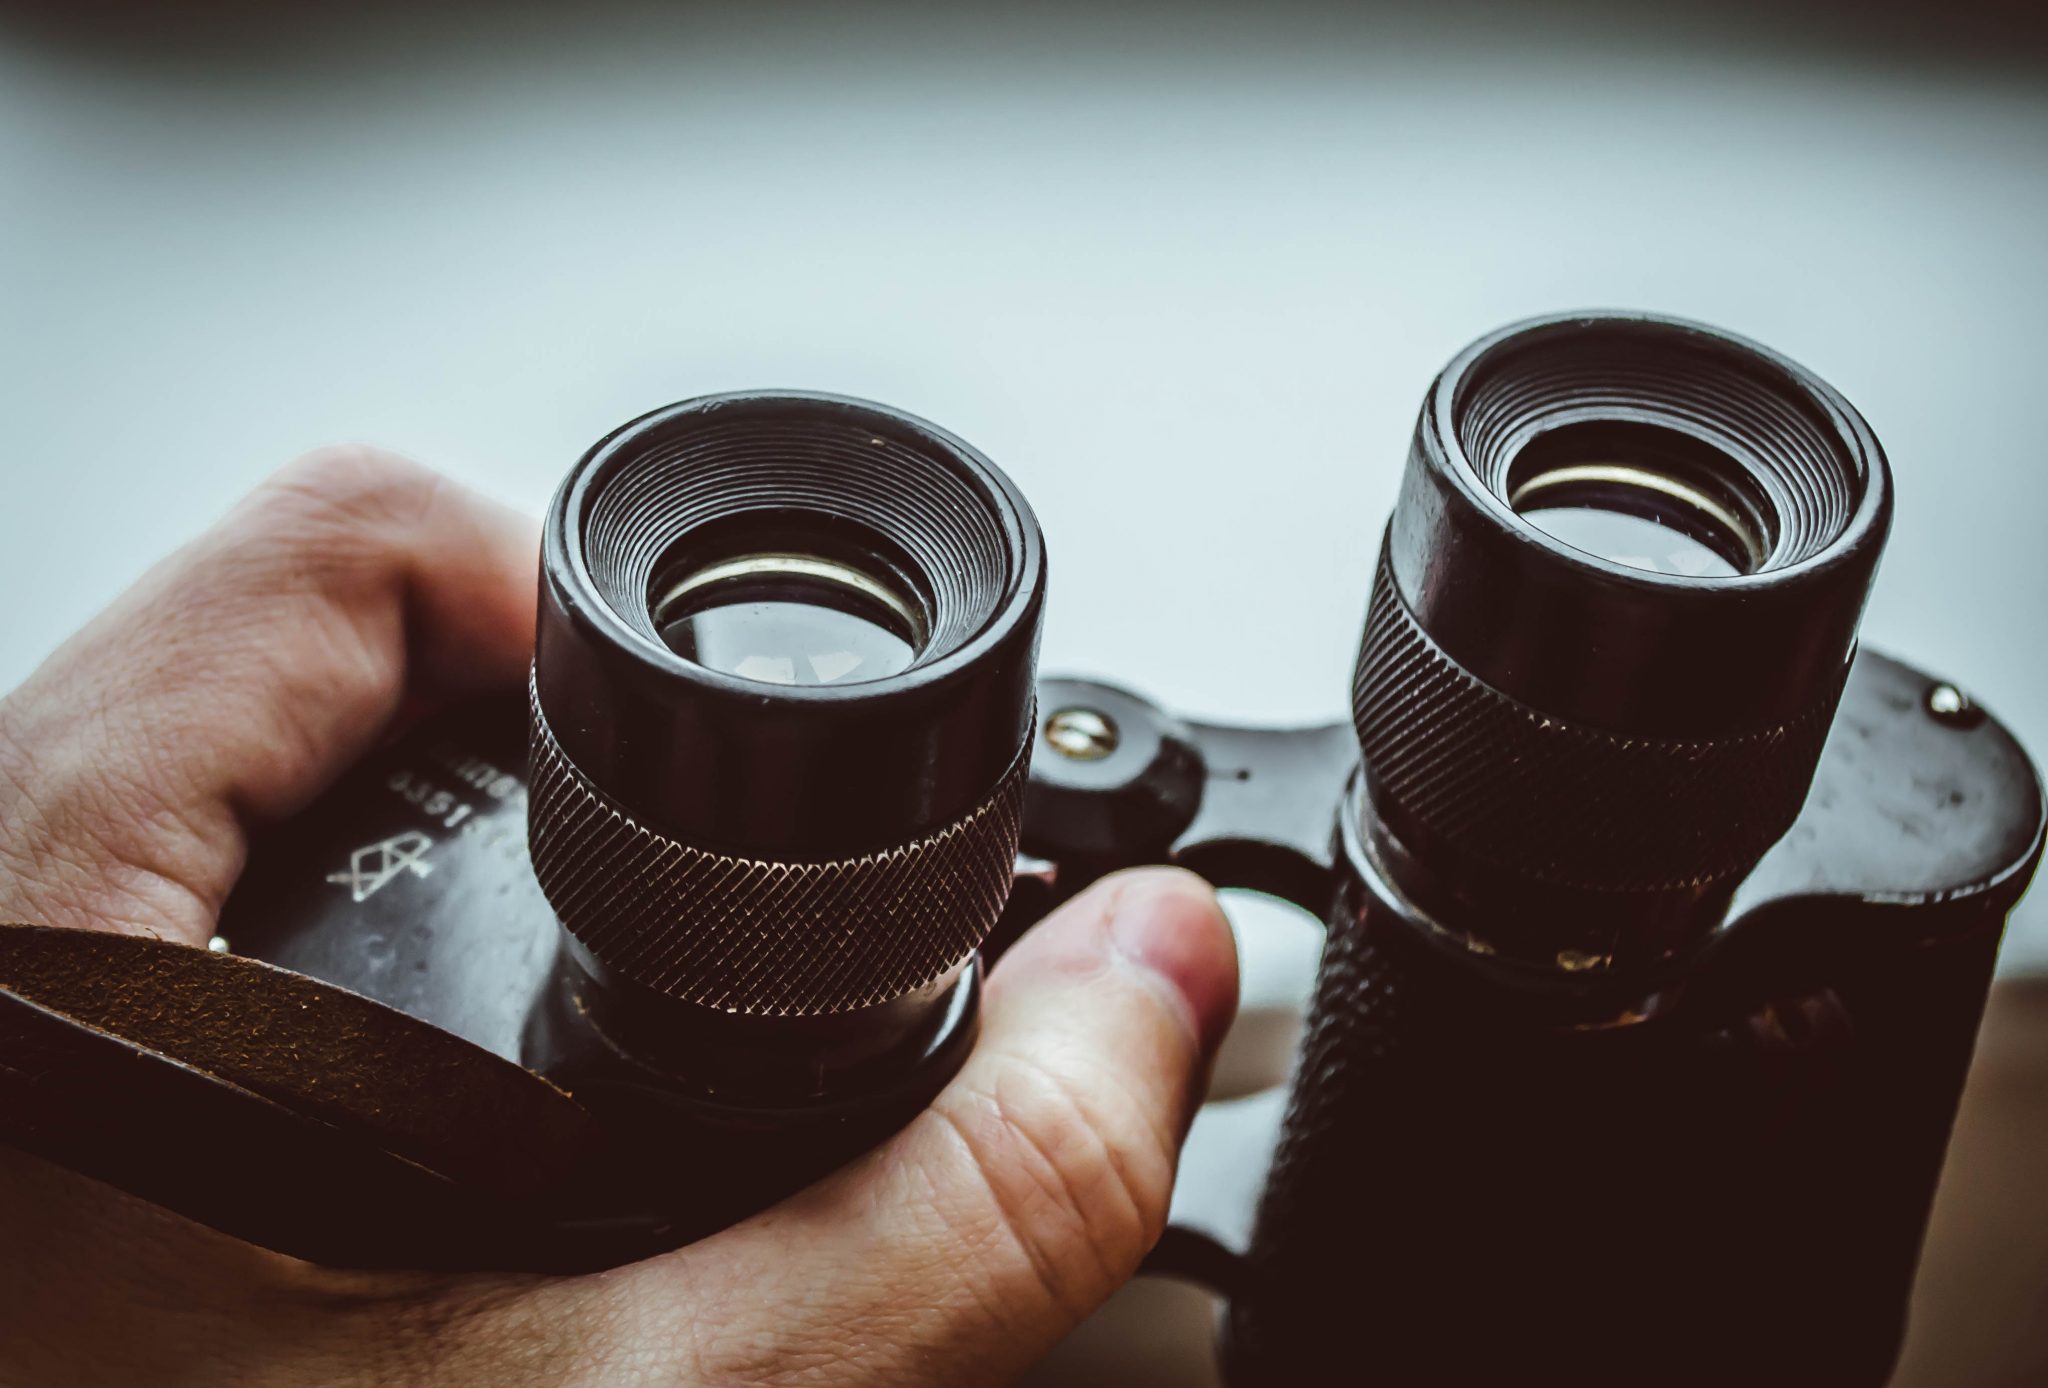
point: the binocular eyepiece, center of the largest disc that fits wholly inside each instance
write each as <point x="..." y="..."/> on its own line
<point x="781" y="715"/>
<point x="1614" y="612"/>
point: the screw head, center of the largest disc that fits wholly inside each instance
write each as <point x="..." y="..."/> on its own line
<point x="1948" y="704"/>
<point x="1081" y="734"/>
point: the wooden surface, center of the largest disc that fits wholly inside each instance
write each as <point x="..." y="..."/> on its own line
<point x="1980" y="1308"/>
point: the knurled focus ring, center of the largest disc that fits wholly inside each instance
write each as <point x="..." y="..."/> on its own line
<point x="1558" y="803"/>
<point x="766" y="938"/>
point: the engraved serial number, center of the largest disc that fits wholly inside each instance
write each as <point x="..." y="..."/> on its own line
<point x="439" y="804"/>
<point x="479" y="775"/>
<point x="501" y="829"/>
<point x="479" y="799"/>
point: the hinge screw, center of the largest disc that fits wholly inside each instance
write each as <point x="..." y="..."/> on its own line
<point x="1948" y="704"/>
<point x="1081" y="734"/>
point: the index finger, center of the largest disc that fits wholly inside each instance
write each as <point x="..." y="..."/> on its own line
<point x="239" y="676"/>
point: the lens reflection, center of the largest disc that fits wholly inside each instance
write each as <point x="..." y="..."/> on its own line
<point x="790" y="619"/>
<point x="1659" y="519"/>
<point x="1637" y="541"/>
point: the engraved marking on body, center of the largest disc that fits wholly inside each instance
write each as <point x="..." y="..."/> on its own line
<point x="374" y="865"/>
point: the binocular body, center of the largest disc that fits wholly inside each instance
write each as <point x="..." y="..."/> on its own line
<point x="1661" y="916"/>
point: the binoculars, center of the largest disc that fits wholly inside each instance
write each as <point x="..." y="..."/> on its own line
<point x="1661" y="914"/>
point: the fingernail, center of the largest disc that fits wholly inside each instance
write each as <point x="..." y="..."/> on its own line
<point x="1169" y="924"/>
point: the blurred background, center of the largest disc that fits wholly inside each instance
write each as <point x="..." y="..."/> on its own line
<point x="1184" y="271"/>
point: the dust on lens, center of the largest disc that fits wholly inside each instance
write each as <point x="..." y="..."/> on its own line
<point x="790" y="619"/>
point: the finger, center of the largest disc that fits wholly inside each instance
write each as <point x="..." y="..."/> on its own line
<point x="962" y="1250"/>
<point x="231" y="683"/>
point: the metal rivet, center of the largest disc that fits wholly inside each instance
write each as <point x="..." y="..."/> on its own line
<point x="1948" y="704"/>
<point x="1081" y="734"/>
<point x="218" y="944"/>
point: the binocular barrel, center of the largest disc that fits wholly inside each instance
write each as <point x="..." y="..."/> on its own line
<point x="1614" y="613"/>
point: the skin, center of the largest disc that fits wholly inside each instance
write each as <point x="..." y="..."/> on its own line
<point x="233" y="683"/>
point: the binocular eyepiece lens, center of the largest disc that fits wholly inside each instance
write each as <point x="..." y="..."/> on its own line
<point x="1620" y="532"/>
<point x="790" y="618"/>
<point x="1641" y="496"/>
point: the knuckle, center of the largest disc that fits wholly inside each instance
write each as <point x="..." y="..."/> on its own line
<point x="337" y="524"/>
<point x="347" y="483"/>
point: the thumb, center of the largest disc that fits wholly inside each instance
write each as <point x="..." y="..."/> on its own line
<point x="963" y="1249"/>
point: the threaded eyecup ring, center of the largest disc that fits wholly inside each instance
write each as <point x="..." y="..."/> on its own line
<point x="733" y="462"/>
<point x="1605" y="644"/>
<point x="1783" y="437"/>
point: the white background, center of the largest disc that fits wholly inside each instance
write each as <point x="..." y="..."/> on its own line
<point x="1184" y="273"/>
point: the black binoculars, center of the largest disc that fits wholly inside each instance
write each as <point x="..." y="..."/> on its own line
<point x="1660" y="914"/>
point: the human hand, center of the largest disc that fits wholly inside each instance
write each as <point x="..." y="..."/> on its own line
<point x="222" y="694"/>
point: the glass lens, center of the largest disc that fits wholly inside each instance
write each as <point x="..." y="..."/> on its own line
<point x="1640" y="542"/>
<point x="1648" y="517"/>
<point x="1641" y="494"/>
<point x="790" y="619"/>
